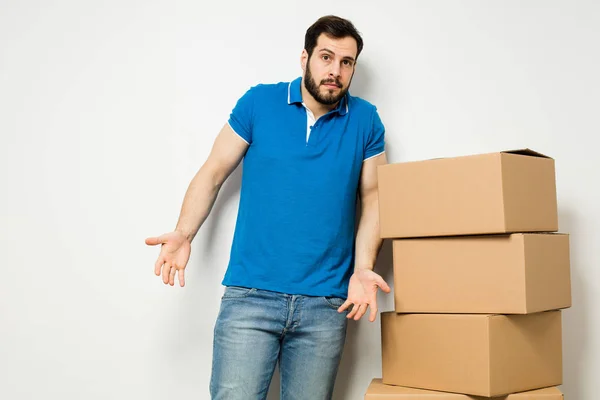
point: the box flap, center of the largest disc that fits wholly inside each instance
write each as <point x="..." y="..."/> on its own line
<point x="526" y="152"/>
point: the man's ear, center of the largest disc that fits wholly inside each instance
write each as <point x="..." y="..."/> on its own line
<point x="303" y="59"/>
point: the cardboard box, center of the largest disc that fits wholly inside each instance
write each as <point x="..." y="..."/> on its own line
<point x="505" y="192"/>
<point x="378" y="391"/>
<point x="477" y="354"/>
<point x="500" y="274"/>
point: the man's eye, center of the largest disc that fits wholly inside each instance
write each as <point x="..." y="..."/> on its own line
<point x="325" y="57"/>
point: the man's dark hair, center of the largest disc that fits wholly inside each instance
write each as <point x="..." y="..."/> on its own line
<point x="334" y="27"/>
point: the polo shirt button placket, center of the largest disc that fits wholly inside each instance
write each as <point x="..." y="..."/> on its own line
<point x="312" y="129"/>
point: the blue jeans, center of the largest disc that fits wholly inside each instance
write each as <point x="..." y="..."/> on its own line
<point x="256" y="329"/>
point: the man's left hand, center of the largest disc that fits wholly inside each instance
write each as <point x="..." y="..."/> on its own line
<point x="362" y="294"/>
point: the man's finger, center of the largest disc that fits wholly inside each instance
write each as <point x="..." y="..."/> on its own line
<point x="344" y="306"/>
<point x="172" y="275"/>
<point x="153" y="241"/>
<point x="166" y="272"/>
<point x="181" y="277"/>
<point x="382" y="284"/>
<point x="159" y="263"/>
<point x="357" y="309"/>
<point x="353" y="311"/>
<point x="373" y="313"/>
<point x="362" y="309"/>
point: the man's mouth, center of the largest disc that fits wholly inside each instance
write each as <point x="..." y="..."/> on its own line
<point x="331" y="84"/>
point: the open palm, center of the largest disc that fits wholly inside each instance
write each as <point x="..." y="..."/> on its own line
<point x="362" y="294"/>
<point x="173" y="258"/>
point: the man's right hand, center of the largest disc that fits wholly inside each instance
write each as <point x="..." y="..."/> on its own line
<point x="174" y="255"/>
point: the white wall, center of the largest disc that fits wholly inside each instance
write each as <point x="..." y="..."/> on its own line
<point x="107" y="109"/>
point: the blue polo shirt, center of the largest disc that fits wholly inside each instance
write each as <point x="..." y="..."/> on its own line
<point x="296" y="220"/>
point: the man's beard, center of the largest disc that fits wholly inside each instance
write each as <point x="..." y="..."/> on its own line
<point x="312" y="87"/>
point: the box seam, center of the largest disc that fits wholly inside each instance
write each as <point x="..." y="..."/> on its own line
<point x="502" y="194"/>
<point x="489" y="350"/>
<point x="525" y="289"/>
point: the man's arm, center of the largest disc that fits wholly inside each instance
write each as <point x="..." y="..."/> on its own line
<point x="368" y="241"/>
<point x="364" y="283"/>
<point x="226" y="154"/>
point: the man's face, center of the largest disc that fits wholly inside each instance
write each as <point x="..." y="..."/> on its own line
<point x="329" y="69"/>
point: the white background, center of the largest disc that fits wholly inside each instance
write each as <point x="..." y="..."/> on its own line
<point x="107" y="109"/>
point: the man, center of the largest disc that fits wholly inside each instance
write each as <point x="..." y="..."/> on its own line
<point x="296" y="272"/>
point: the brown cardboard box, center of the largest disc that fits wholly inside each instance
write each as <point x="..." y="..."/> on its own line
<point x="505" y="192"/>
<point x="378" y="391"/>
<point x="476" y="354"/>
<point x="501" y="274"/>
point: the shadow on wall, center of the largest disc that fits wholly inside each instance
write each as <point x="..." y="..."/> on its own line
<point x="574" y="319"/>
<point x="360" y="85"/>
<point x="355" y="350"/>
<point x="228" y="192"/>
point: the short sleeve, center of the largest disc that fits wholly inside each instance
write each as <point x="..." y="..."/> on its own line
<point x="376" y="141"/>
<point x="241" y="117"/>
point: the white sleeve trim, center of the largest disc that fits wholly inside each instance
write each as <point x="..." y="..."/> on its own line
<point x="378" y="154"/>
<point x="238" y="133"/>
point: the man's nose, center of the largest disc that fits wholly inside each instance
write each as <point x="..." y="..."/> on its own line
<point x="335" y="70"/>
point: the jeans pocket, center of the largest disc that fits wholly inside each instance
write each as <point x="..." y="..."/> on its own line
<point x="334" y="302"/>
<point x="236" y="292"/>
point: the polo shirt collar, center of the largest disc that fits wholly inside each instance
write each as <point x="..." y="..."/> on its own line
<point x="295" y="97"/>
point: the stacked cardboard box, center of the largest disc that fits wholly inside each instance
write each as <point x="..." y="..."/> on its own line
<point x="480" y="277"/>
